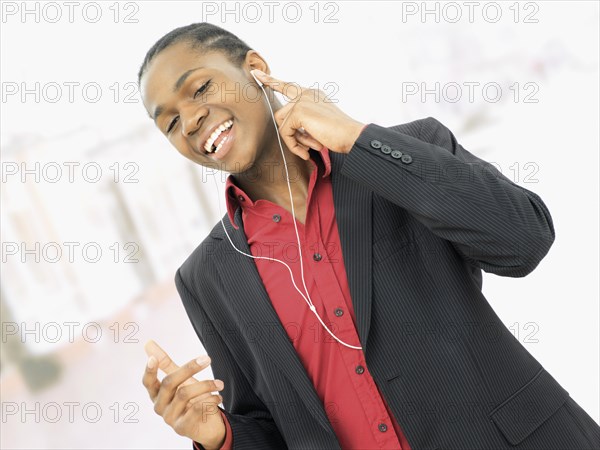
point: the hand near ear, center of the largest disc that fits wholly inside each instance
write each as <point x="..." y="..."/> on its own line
<point x="310" y="120"/>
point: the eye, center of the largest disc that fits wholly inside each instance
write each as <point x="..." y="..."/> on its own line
<point x="202" y="88"/>
<point x="172" y="124"/>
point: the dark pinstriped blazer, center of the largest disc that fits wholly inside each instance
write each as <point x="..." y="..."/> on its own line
<point x="419" y="218"/>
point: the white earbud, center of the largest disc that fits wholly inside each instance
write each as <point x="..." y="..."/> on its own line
<point x="260" y="83"/>
<point x="311" y="306"/>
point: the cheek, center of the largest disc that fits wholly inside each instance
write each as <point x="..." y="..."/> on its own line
<point x="180" y="145"/>
<point x="178" y="142"/>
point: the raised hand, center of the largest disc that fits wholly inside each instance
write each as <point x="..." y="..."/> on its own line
<point x="186" y="404"/>
<point x="310" y="120"/>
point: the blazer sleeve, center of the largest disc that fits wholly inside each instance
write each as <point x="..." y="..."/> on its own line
<point x="492" y="222"/>
<point x="250" y="421"/>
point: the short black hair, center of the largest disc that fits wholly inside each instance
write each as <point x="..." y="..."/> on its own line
<point x="202" y="35"/>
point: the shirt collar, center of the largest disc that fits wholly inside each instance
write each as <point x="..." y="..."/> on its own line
<point x="234" y="194"/>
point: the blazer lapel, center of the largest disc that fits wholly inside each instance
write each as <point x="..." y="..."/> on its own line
<point x="353" y="214"/>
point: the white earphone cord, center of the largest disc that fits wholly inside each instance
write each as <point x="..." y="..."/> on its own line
<point x="308" y="301"/>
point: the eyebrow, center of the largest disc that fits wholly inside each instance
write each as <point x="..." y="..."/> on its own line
<point x="159" y="109"/>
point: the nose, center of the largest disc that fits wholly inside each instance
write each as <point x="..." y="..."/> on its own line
<point x="190" y="120"/>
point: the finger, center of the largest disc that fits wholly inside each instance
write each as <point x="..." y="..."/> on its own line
<point x="186" y="393"/>
<point x="287" y="130"/>
<point x="299" y="149"/>
<point x="150" y="380"/>
<point x="302" y="140"/>
<point x="307" y="139"/>
<point x="291" y="90"/>
<point x="165" y="363"/>
<point x="282" y="113"/>
<point x="171" y="382"/>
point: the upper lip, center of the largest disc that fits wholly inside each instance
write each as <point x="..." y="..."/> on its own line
<point x="207" y="133"/>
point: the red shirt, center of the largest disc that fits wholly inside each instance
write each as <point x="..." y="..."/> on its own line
<point x="352" y="401"/>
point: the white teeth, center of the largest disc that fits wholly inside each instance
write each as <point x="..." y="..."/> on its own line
<point x="213" y="137"/>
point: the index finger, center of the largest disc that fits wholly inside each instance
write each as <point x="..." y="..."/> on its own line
<point x="291" y="89"/>
<point x="165" y="363"/>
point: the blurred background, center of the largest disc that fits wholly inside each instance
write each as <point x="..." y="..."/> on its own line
<point x="98" y="210"/>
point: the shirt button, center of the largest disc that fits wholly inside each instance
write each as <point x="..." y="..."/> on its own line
<point x="317" y="257"/>
<point x="276" y="217"/>
<point x="382" y="427"/>
<point x="360" y="369"/>
<point x="339" y="312"/>
<point x="241" y="198"/>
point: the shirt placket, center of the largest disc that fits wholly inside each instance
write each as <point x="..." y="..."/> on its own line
<point x="339" y="320"/>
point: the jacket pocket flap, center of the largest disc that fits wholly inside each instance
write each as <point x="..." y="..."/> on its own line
<point x="525" y="410"/>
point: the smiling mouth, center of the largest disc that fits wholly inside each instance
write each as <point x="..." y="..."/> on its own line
<point x="215" y="141"/>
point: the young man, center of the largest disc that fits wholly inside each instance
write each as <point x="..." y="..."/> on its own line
<point x="396" y="225"/>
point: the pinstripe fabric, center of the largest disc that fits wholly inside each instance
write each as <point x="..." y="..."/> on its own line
<point x="415" y="237"/>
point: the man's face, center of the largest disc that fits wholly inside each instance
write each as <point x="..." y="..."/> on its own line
<point x="187" y="110"/>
